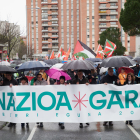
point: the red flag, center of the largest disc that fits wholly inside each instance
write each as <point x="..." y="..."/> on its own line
<point x="29" y="78"/>
<point x="100" y="52"/>
<point x="67" y="54"/>
<point x="52" y="55"/>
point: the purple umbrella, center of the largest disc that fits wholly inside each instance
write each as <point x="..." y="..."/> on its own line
<point x="55" y="73"/>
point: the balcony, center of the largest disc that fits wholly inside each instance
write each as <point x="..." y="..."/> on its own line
<point x="113" y="13"/>
<point x="113" y="25"/>
<point x="45" y="36"/>
<point x="44" y="41"/>
<point x="44" y="2"/>
<point x="44" y="19"/>
<point x="54" y="41"/>
<point x="54" y="30"/>
<point x="113" y="7"/>
<point x="102" y="0"/>
<point x="54" y="13"/>
<point x="55" y="47"/>
<point x="103" y="13"/>
<point x="54" y="36"/>
<point x="103" y="7"/>
<point x="45" y="30"/>
<point x="54" y="19"/>
<point x="113" y="1"/>
<point x="54" y="25"/>
<point x="103" y="26"/>
<point x="102" y="19"/>
<point x="54" y="8"/>
<point x="44" y="7"/>
<point x="115" y="19"/>
<point x="45" y="25"/>
<point x="54" y="2"/>
<point x="45" y="47"/>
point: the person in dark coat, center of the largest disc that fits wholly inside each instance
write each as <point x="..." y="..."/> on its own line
<point x="71" y="74"/>
<point x="10" y="81"/>
<point x="92" y="77"/>
<point x="98" y="73"/>
<point x="136" y="71"/>
<point x="130" y="80"/>
<point x="110" y="79"/>
<point x="80" y="79"/>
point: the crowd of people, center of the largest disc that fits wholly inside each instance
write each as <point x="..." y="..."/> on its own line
<point x="111" y="76"/>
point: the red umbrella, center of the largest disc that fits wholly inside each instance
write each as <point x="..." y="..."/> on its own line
<point x="126" y="69"/>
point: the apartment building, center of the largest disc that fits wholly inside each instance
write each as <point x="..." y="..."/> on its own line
<point x="55" y="23"/>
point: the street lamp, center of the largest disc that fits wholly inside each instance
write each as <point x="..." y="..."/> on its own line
<point x="29" y="28"/>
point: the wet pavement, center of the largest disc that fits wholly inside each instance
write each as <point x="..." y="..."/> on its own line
<point x="51" y="131"/>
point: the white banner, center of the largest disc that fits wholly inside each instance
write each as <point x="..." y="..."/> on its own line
<point x="70" y="103"/>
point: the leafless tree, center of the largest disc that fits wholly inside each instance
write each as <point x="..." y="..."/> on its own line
<point x="10" y="34"/>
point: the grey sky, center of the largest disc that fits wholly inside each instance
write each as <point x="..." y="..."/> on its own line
<point x="14" y="11"/>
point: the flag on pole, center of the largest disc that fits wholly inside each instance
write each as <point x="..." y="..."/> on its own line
<point x="82" y="51"/>
<point x="52" y="56"/>
<point x="100" y="52"/>
<point x="110" y="48"/>
<point x="60" y="53"/>
<point x="67" y="54"/>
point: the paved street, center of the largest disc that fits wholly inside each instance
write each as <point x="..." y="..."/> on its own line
<point x="51" y="131"/>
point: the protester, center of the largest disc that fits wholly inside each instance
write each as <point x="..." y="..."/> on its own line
<point x="92" y="77"/>
<point x="10" y="81"/>
<point x="122" y="76"/>
<point x="136" y="71"/>
<point x="40" y="81"/>
<point x="130" y="80"/>
<point x="80" y="79"/>
<point x="30" y="73"/>
<point x="62" y="82"/>
<point x="44" y="75"/>
<point x="98" y="73"/>
<point x="110" y="79"/>
<point x="1" y="81"/>
<point x="24" y="81"/>
<point x="71" y="73"/>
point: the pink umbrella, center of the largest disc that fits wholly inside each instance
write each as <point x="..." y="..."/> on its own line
<point x="55" y="73"/>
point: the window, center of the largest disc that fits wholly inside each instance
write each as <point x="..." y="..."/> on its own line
<point x="113" y="23"/>
<point x="103" y="17"/>
<point x="112" y="4"/>
<point x="102" y="5"/>
<point x="113" y="17"/>
<point x="102" y="23"/>
<point x="112" y="10"/>
<point x="92" y="23"/>
<point x="92" y="17"/>
<point x="103" y="30"/>
<point x="87" y="36"/>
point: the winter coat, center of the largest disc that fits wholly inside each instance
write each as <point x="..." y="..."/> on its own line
<point x="136" y="70"/>
<point x="83" y="81"/>
<point x="122" y="77"/>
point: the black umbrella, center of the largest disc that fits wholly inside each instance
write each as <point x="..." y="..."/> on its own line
<point x="94" y="59"/>
<point x="117" y="61"/>
<point x="78" y="65"/>
<point x="137" y="60"/>
<point x="4" y="69"/>
<point x="52" y="61"/>
<point x="129" y="56"/>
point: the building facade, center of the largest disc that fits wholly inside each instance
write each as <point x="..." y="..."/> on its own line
<point x="55" y="23"/>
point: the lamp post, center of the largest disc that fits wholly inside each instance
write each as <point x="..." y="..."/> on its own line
<point x="28" y="47"/>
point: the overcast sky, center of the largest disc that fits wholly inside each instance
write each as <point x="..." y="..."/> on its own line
<point x="15" y="12"/>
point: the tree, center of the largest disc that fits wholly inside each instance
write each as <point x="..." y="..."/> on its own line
<point x="112" y="34"/>
<point x="22" y="49"/>
<point x="130" y="17"/>
<point x="10" y="33"/>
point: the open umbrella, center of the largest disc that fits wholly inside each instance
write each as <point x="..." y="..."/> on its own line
<point x="94" y="59"/>
<point x="103" y="70"/>
<point x="55" y="73"/>
<point x="126" y="69"/>
<point x="5" y="63"/>
<point x="52" y="61"/>
<point x="129" y="56"/>
<point x="58" y="65"/>
<point x="33" y="65"/>
<point x="78" y="65"/>
<point x="117" y="61"/>
<point x="137" y="60"/>
<point x="4" y="69"/>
